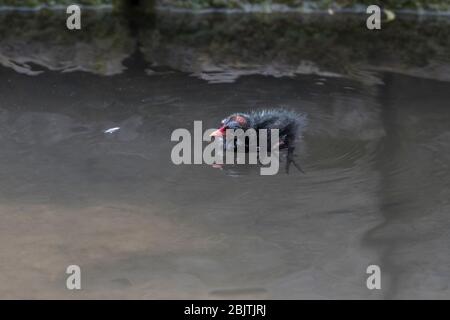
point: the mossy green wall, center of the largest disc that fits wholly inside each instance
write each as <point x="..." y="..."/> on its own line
<point x="32" y="3"/>
<point x="204" y="4"/>
<point x="313" y="4"/>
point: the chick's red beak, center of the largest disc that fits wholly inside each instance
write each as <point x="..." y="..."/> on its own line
<point x="219" y="132"/>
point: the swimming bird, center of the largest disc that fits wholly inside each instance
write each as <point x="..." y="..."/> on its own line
<point x="289" y="123"/>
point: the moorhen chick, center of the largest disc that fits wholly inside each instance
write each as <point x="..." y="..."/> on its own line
<point x="289" y="123"/>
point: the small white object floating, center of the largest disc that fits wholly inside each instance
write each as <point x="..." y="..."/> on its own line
<point x="112" y="130"/>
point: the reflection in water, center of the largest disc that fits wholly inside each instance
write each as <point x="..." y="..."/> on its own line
<point x="221" y="48"/>
<point x="376" y="189"/>
<point x="32" y="40"/>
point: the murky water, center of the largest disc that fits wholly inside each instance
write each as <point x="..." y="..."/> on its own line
<point x="376" y="188"/>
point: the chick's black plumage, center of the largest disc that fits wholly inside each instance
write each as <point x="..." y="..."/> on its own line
<point x="289" y="123"/>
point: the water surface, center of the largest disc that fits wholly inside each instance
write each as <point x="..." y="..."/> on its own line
<point x="376" y="188"/>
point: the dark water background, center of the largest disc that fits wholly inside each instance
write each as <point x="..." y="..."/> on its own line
<point x="376" y="155"/>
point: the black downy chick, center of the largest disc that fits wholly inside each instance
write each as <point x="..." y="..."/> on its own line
<point x="289" y="123"/>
